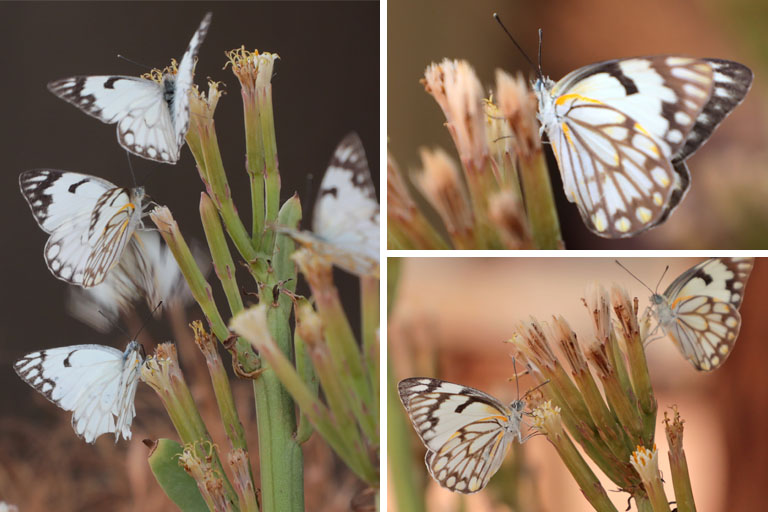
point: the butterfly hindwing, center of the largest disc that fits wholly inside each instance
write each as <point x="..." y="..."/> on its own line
<point x="97" y="383"/>
<point x="466" y="432"/>
<point x="621" y="129"/>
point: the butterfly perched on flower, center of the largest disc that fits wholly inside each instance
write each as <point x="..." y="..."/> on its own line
<point x="97" y="383"/>
<point x="151" y="112"/>
<point x="699" y="311"/>
<point x="345" y="221"/>
<point x="466" y="432"/>
<point x="90" y="221"/>
<point x="622" y="129"/>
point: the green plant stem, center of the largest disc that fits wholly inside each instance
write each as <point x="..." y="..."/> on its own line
<point x="266" y="117"/>
<point x="540" y="203"/>
<point x="200" y="288"/>
<point x="588" y="482"/>
<point x="222" y="259"/>
<point x="307" y="373"/>
<point x="369" y="298"/>
<point x="254" y="163"/>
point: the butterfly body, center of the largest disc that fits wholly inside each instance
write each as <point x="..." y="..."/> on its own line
<point x="699" y="311"/>
<point x="90" y="221"/>
<point x="151" y="113"/>
<point x="466" y="432"/>
<point x="97" y="383"/>
<point x="622" y="129"/>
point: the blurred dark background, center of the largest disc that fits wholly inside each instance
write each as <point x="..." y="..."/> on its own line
<point x="725" y="206"/>
<point x="326" y="85"/>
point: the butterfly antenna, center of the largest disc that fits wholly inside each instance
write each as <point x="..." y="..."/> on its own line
<point x="533" y="66"/>
<point x="130" y="167"/>
<point x="517" y="383"/>
<point x="114" y="324"/>
<point x="535" y="388"/>
<point x="541" y="33"/>
<point x="146" y="320"/>
<point x="133" y="62"/>
<point x="660" y="279"/>
<point x="633" y="275"/>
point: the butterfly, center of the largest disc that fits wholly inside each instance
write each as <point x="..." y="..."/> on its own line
<point x="90" y="221"/>
<point x="151" y="112"/>
<point x="147" y="271"/>
<point x="466" y="432"/>
<point x="96" y="382"/>
<point x="622" y="129"/>
<point x="345" y="221"/>
<point x="699" y="311"/>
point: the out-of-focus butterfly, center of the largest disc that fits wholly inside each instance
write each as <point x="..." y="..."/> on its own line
<point x="151" y="112"/>
<point x="621" y="131"/>
<point x="699" y="311"/>
<point x="147" y="272"/>
<point x="95" y="382"/>
<point x="90" y="221"/>
<point x="466" y="432"/>
<point x="345" y="221"/>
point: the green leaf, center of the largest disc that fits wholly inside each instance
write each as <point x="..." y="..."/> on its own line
<point x="177" y="484"/>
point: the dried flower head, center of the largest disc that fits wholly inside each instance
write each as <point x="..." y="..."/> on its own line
<point x="518" y="105"/>
<point x="456" y="88"/>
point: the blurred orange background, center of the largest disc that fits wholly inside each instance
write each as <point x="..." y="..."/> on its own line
<point x="725" y="206"/>
<point x="452" y="314"/>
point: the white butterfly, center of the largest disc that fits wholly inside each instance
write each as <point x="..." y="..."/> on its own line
<point x="345" y="221"/>
<point x="152" y="114"/>
<point x="90" y="221"/>
<point x="622" y="129"/>
<point x="700" y="309"/>
<point x="96" y="382"/>
<point x="147" y="271"/>
<point x="466" y="432"/>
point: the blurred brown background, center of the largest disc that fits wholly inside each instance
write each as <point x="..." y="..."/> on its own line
<point x="326" y="85"/>
<point x="725" y="207"/>
<point x="451" y="316"/>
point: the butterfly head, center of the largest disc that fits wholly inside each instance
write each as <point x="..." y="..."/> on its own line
<point x="517" y="406"/>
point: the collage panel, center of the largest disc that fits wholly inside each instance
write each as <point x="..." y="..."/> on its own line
<point x="191" y="298"/>
<point x="574" y="384"/>
<point x="618" y="126"/>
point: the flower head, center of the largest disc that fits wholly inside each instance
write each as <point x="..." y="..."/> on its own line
<point x="456" y="88"/>
<point x="518" y="105"/>
<point x="252" y="69"/>
<point x="547" y="419"/>
<point x="158" y="75"/>
<point x="646" y="462"/>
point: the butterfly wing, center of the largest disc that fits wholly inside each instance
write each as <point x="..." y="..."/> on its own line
<point x="704" y="302"/>
<point x="465" y="431"/>
<point x="620" y="129"/>
<point x="95" y="382"/>
<point x="346" y="215"/>
<point x="136" y="105"/>
<point x="89" y="220"/>
<point x="183" y="82"/>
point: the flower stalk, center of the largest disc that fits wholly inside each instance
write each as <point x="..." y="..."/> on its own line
<point x="678" y="464"/>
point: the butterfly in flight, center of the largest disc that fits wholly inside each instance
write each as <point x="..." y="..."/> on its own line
<point x="345" y="221"/>
<point x="90" y="221"/>
<point x="97" y="383"/>
<point x="622" y="129"/>
<point x="151" y="112"/>
<point x="699" y="311"/>
<point x="466" y="432"/>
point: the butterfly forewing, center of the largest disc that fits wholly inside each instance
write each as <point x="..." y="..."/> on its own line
<point x="723" y="279"/>
<point x="466" y="432"/>
<point x="152" y="117"/>
<point x="620" y="130"/>
<point x="95" y="382"/>
<point x="89" y="220"/>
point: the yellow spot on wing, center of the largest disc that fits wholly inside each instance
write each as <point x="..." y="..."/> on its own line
<point x="565" y="97"/>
